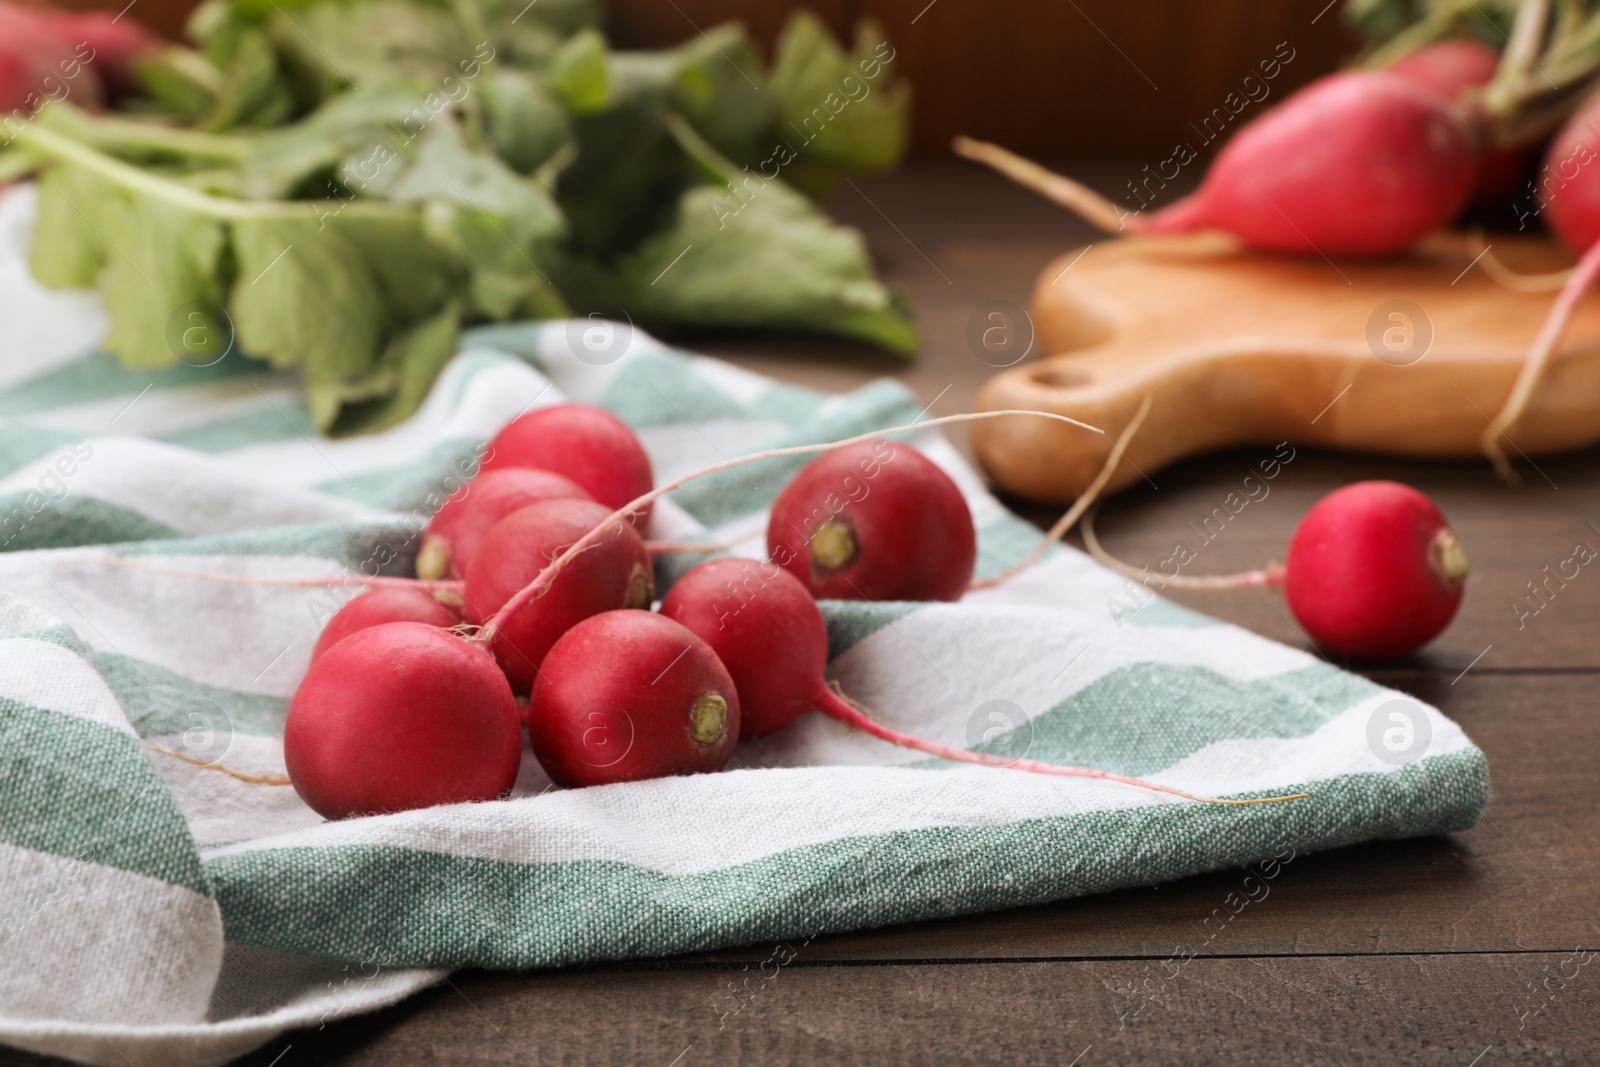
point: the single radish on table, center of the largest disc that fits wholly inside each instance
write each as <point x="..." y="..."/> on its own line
<point x="459" y="527"/>
<point x="437" y="607"/>
<point x="629" y="695"/>
<point x="1373" y="571"/>
<point x="1360" y="163"/>
<point x="614" y="572"/>
<point x="398" y="716"/>
<point x="876" y="520"/>
<point x="587" y="444"/>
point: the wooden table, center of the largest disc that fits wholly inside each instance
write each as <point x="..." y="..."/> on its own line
<point x="1430" y="951"/>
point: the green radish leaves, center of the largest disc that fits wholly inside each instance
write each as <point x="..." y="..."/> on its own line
<point x="352" y="181"/>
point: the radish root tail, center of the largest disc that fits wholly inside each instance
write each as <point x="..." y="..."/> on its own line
<point x="1270" y="575"/>
<point x="1074" y="196"/>
<point x="264" y="778"/>
<point x="841" y="708"/>
<point x="1515" y="280"/>
<point x="1079" y="506"/>
<point x="1539" y="356"/>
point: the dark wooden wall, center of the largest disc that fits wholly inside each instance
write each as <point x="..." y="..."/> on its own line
<point x="1054" y="78"/>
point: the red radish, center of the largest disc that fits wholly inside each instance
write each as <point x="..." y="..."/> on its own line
<point x="1449" y="68"/>
<point x="400" y="716"/>
<point x="37" y="64"/>
<point x="614" y="572"/>
<point x="629" y="695"/>
<point x="1453" y="69"/>
<point x="457" y="528"/>
<point x="1374" y="571"/>
<point x="1360" y="163"/>
<point x="1569" y="195"/>
<point x="876" y="520"/>
<point x="587" y="444"/>
<point x="113" y="41"/>
<point x="776" y="655"/>
<point x="1570" y="188"/>
<point x="388" y="605"/>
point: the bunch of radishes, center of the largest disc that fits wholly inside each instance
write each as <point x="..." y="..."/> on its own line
<point x="533" y="603"/>
<point x="535" y="582"/>
<point x="1366" y="162"/>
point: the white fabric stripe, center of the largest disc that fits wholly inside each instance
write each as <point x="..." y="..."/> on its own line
<point x="172" y="409"/>
<point x="17" y="616"/>
<point x="677" y="448"/>
<point x="251" y="639"/>
<point x="924" y="675"/>
<point x="100" y="945"/>
<point x="743" y="387"/>
<point x="221" y="809"/>
<point x="194" y="494"/>
<point x="689" y="825"/>
<point x="45" y="675"/>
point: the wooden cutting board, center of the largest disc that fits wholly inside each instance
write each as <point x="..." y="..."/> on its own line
<point x="1411" y="357"/>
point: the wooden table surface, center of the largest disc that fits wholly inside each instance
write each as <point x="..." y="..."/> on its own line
<point x="1444" y="950"/>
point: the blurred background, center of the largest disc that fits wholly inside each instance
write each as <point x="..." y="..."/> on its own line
<point x="1051" y="78"/>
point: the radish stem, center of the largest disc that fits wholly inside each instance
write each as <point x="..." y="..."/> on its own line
<point x="1270" y="575"/>
<point x="841" y="708"/>
<point x="1079" y="506"/>
<point x="1516" y="281"/>
<point x="1074" y="196"/>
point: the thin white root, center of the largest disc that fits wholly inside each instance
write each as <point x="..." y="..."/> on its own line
<point x="1271" y="574"/>
<point x="1079" y="506"/>
<point x="1533" y="368"/>
<point x="1518" y="282"/>
<point x="264" y="778"/>
<point x="1074" y="196"/>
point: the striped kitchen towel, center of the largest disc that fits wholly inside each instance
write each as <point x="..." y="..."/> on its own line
<point x="154" y="911"/>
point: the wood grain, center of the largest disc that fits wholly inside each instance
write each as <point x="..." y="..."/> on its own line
<point x="1409" y="355"/>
